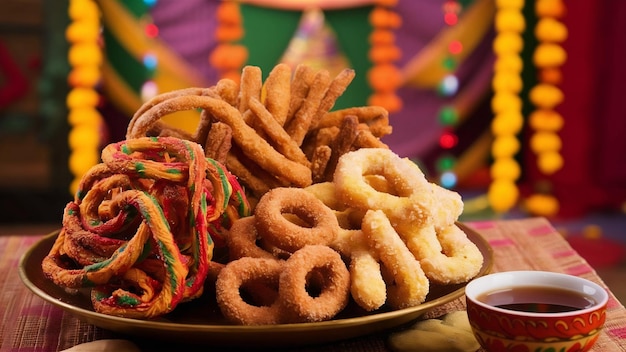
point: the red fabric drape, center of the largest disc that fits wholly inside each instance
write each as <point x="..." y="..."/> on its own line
<point x="593" y="177"/>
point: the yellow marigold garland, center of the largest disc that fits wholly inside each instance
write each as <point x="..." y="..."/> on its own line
<point x="384" y="77"/>
<point x="506" y="104"/>
<point x="85" y="58"/>
<point x="545" y="121"/>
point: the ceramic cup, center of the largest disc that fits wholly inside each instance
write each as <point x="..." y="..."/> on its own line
<point x="535" y="311"/>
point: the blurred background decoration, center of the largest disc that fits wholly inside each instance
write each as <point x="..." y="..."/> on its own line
<point x="515" y="104"/>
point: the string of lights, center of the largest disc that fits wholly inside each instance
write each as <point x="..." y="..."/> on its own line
<point x="448" y="116"/>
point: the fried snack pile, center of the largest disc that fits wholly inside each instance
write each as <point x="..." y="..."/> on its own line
<point x="311" y="207"/>
<point x="399" y="232"/>
<point x="278" y="256"/>
<point x="140" y="229"/>
<point x="274" y="133"/>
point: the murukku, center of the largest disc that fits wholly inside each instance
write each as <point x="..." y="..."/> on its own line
<point x="151" y="200"/>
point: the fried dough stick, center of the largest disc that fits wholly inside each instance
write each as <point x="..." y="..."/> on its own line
<point x="252" y="145"/>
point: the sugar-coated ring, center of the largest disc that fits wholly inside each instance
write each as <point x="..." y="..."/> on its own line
<point x="242" y="240"/>
<point x="237" y="275"/>
<point x="321" y="268"/>
<point x="411" y="197"/>
<point x="287" y="235"/>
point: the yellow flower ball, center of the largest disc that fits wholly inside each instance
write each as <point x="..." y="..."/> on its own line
<point x="549" y="55"/>
<point x="545" y="120"/>
<point x="510" y="20"/>
<point x="507" y="81"/>
<point x="545" y="96"/>
<point x="549" y="162"/>
<point x="541" y="142"/>
<point x="81" y="160"/>
<point x="83" y="136"/>
<point x="84" y="76"/>
<point x="502" y="195"/>
<point x="550" y="75"/>
<point x="505" y="169"/>
<point x="507" y="123"/>
<point x="510" y="4"/>
<point x="505" y="146"/>
<point x="550" y="8"/>
<point x="550" y="30"/>
<point x="82" y="97"/>
<point x="85" y="54"/>
<point x="87" y="115"/>
<point x="508" y="63"/>
<point x="82" y="31"/>
<point x="505" y="101"/>
<point x="542" y="205"/>
<point x="508" y="43"/>
<point x="83" y="10"/>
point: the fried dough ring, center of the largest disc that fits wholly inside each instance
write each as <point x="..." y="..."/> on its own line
<point x="159" y="98"/>
<point x="242" y="240"/>
<point x="239" y="273"/>
<point x="314" y="265"/>
<point x="412" y="194"/>
<point x="284" y="234"/>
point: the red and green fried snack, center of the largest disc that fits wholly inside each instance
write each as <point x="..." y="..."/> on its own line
<point x="141" y="226"/>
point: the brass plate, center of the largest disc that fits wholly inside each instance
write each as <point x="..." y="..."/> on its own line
<point x="200" y="321"/>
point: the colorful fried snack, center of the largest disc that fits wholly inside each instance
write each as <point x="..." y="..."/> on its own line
<point x="142" y="225"/>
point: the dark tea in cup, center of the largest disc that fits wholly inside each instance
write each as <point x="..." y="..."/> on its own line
<point x="537" y="299"/>
<point x="535" y="311"/>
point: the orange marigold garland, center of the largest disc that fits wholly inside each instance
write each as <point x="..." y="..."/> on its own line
<point x="384" y="77"/>
<point x="228" y="57"/>
<point x="506" y="104"/>
<point x="545" y="121"/>
<point x="85" y="58"/>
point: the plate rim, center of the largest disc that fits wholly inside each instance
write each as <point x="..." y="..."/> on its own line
<point x="143" y="327"/>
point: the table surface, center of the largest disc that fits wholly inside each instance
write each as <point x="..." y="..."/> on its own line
<point x="28" y="323"/>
